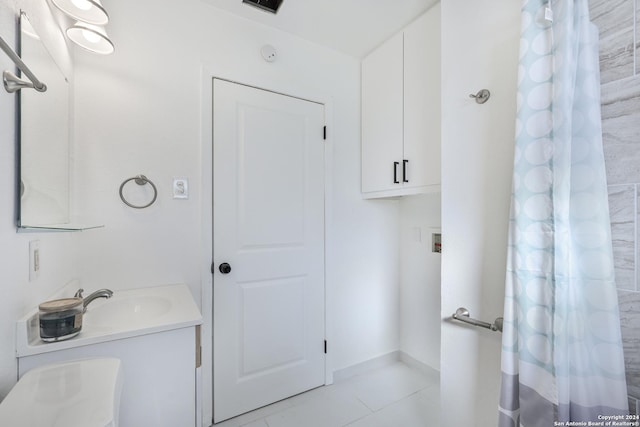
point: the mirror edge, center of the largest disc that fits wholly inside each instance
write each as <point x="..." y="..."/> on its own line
<point x="67" y="227"/>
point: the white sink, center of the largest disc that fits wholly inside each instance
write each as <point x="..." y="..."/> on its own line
<point x="125" y="309"/>
<point x="126" y="314"/>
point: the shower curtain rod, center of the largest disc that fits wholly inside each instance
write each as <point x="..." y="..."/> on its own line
<point x="12" y="82"/>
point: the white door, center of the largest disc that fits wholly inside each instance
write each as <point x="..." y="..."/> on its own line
<point x="268" y="225"/>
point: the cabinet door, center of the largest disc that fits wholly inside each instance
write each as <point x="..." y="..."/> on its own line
<point x="382" y="122"/>
<point x="422" y="100"/>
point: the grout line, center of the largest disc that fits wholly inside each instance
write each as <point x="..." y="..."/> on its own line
<point x="635" y="41"/>
<point x="634" y="286"/>
<point x="371" y="410"/>
<point x="620" y="185"/>
<point x="633" y="47"/>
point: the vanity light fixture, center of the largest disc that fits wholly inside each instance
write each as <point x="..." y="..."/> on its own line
<point x="26" y="27"/>
<point x="89" y="11"/>
<point x="90" y="37"/>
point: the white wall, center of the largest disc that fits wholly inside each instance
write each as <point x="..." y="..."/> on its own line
<point x="146" y="109"/>
<point x="480" y="43"/>
<point x="57" y="249"/>
<point x="420" y="279"/>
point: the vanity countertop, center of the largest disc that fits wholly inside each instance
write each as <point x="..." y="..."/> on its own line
<point x="128" y="313"/>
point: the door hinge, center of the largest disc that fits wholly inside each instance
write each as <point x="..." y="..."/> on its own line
<point x="198" y="346"/>
<point x="325" y="346"/>
<point x="324" y="136"/>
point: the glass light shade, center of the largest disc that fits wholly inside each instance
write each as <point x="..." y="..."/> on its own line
<point x="89" y="11"/>
<point x="26" y="28"/>
<point x="90" y="37"/>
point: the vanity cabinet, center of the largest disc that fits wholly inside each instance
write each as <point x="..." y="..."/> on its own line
<point x="401" y="112"/>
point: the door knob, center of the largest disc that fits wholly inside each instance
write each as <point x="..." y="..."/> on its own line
<point x="225" y="268"/>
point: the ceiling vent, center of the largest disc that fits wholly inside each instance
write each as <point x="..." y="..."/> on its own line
<point x="268" y="5"/>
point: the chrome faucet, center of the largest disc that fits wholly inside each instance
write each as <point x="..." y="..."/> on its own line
<point x="100" y="293"/>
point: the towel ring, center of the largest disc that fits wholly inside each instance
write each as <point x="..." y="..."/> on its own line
<point x="140" y="180"/>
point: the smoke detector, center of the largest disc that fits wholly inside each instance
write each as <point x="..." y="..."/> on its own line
<point x="269" y="53"/>
<point x="268" y="5"/>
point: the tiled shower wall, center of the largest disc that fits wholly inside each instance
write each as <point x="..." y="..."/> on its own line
<point x="619" y="25"/>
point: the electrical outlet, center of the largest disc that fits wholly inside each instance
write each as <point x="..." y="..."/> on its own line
<point x="34" y="260"/>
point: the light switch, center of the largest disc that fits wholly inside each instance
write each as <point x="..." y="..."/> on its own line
<point x="180" y="188"/>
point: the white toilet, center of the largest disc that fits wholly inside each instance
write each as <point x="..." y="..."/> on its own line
<point x="79" y="393"/>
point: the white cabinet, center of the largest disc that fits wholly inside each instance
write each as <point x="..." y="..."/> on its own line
<point x="382" y="118"/>
<point x="401" y="112"/>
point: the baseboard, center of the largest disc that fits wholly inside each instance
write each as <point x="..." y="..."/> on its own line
<point x="418" y="365"/>
<point x="367" y="365"/>
<point x="382" y="361"/>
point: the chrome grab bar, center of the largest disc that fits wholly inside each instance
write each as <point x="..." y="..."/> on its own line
<point x="462" y="314"/>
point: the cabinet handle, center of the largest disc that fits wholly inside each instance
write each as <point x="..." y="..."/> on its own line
<point x="404" y="171"/>
<point x="395" y="172"/>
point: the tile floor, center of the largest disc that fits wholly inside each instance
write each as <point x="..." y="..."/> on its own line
<point x="393" y="396"/>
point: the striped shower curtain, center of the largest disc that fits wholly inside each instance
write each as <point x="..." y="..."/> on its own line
<point x="562" y="356"/>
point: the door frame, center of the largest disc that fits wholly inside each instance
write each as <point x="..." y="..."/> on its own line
<point x="204" y="374"/>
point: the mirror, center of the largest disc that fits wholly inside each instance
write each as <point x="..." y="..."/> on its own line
<point x="44" y="138"/>
<point x="45" y="177"/>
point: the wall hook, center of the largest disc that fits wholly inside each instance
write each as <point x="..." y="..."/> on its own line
<point x="482" y="96"/>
